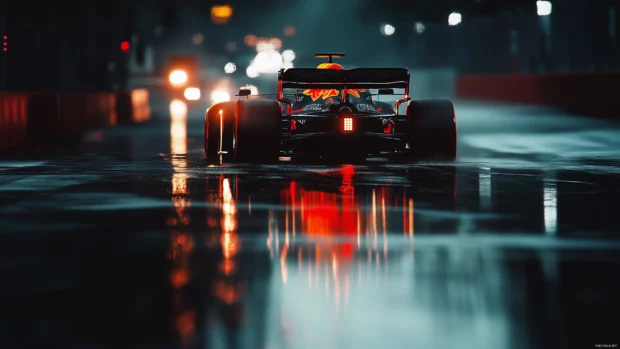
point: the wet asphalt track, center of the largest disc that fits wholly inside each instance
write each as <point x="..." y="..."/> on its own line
<point x="130" y="240"/>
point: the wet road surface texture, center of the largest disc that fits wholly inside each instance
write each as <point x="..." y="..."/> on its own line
<point x="130" y="239"/>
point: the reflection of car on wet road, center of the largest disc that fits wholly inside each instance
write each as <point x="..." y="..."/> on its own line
<point x="331" y="112"/>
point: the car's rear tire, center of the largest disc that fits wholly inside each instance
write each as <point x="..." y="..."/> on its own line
<point x="432" y="134"/>
<point x="258" y="131"/>
<point x="212" y="131"/>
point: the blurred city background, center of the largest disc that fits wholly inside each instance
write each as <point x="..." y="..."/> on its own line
<point x="99" y="45"/>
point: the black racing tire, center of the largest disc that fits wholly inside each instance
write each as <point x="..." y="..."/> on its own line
<point x="258" y="125"/>
<point x="212" y="131"/>
<point x="432" y="134"/>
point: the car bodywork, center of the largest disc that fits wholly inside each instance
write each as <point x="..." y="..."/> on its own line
<point x="329" y="112"/>
<point x="332" y="111"/>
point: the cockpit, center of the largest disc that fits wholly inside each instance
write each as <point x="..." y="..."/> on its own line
<point x="326" y="100"/>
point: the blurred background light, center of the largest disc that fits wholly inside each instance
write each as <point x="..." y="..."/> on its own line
<point x="264" y="46"/>
<point x="289" y="30"/>
<point x="253" y="89"/>
<point x="455" y="18"/>
<point x="220" y="14"/>
<point x="197" y="39"/>
<point x="219" y="95"/>
<point x="387" y="29"/>
<point x="231" y="47"/>
<point x="419" y="27"/>
<point x="250" y="40"/>
<point x="543" y="8"/>
<point x="230" y="68"/>
<point x="288" y="56"/>
<point x="267" y="62"/>
<point x="178" y="77"/>
<point x="252" y="71"/>
<point x="192" y="93"/>
<point x="276" y="42"/>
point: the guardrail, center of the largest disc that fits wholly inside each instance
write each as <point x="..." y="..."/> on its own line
<point x="40" y="117"/>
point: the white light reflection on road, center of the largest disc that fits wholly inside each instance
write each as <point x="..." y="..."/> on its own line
<point x="550" y="197"/>
<point x="178" y="143"/>
<point x="484" y="187"/>
<point x="182" y="242"/>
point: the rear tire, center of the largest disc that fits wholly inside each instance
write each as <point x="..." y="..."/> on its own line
<point x="432" y="134"/>
<point x="258" y="131"/>
<point x="212" y="131"/>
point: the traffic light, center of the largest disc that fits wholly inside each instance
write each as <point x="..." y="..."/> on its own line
<point x="125" y="46"/>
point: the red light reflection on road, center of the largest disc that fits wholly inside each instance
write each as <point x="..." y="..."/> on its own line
<point x="346" y="223"/>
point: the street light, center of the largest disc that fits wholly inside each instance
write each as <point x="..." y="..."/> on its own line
<point x="192" y="93"/>
<point x="252" y="71"/>
<point x="218" y="96"/>
<point x="543" y="8"/>
<point x="454" y="19"/>
<point x="230" y="68"/>
<point x="419" y="27"/>
<point x="220" y="14"/>
<point x="178" y="78"/>
<point x="288" y="55"/>
<point x="387" y="29"/>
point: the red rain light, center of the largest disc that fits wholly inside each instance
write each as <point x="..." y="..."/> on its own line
<point x="125" y="46"/>
<point x="348" y="124"/>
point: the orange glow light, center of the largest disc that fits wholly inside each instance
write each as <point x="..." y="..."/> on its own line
<point x="220" y="14"/>
<point x="250" y="40"/>
<point x="179" y="278"/>
<point x="186" y="324"/>
<point x="289" y="30"/>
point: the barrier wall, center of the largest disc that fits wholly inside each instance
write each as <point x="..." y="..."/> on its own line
<point x="432" y="83"/>
<point x="133" y="106"/>
<point x="40" y="117"/>
<point x="586" y="94"/>
<point x="13" y="119"/>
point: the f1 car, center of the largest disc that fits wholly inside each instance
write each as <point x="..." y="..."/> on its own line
<point x="331" y="114"/>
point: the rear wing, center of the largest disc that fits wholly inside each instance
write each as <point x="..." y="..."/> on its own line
<point x="341" y="79"/>
<point x="311" y="78"/>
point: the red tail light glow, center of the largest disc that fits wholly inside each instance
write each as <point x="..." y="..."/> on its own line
<point x="347" y="125"/>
